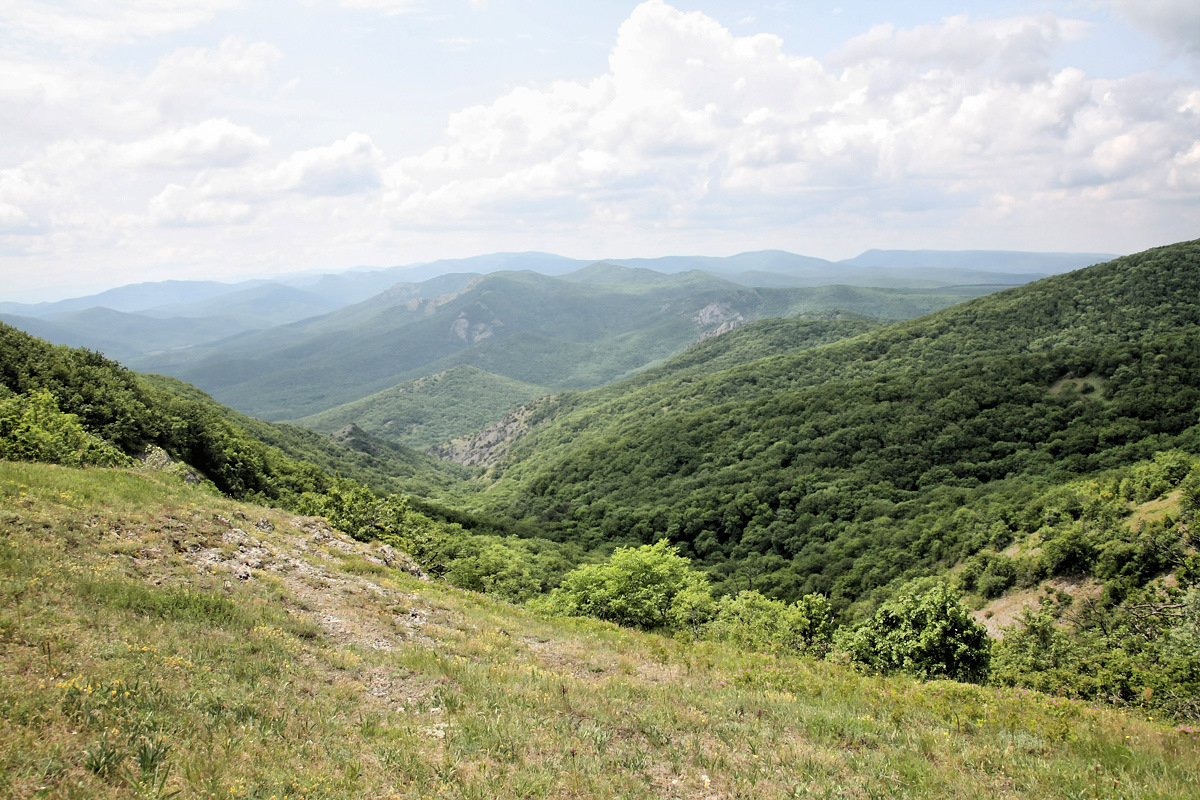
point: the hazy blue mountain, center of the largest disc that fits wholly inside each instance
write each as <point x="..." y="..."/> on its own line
<point x="1009" y="261"/>
<point x="174" y="326"/>
<point x="886" y="268"/>
<point x="890" y="278"/>
<point x="135" y="297"/>
<point x="542" y="263"/>
<point x="763" y="260"/>
<point x="962" y="267"/>
<point x="122" y="336"/>
<point x="261" y="306"/>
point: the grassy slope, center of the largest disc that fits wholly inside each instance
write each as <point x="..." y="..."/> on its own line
<point x="134" y="660"/>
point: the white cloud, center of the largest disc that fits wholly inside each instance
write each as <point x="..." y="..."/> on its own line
<point x="192" y="77"/>
<point x="22" y="202"/>
<point x="348" y="166"/>
<point x="75" y="22"/>
<point x="693" y="128"/>
<point x="45" y="101"/>
<point x="212" y="143"/>
<point x="1175" y="22"/>
<point x="176" y="205"/>
<point x="234" y="61"/>
<point x="1017" y="48"/>
<point x="86" y="145"/>
<point x="961" y="133"/>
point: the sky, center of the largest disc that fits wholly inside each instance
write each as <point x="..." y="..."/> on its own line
<point x="150" y="140"/>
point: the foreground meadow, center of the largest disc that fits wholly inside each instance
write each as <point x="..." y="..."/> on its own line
<point x="157" y="640"/>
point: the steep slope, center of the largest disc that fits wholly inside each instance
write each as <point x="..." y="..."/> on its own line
<point x="134" y="414"/>
<point x="812" y="471"/>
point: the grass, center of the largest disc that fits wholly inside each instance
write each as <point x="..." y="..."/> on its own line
<point x="134" y="662"/>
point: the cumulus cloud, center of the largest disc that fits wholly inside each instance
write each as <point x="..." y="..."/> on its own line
<point x="1175" y="22"/>
<point x="345" y="167"/>
<point x="234" y="61"/>
<point x="87" y="146"/>
<point x="212" y="143"/>
<point x="693" y="138"/>
<point x="48" y="100"/>
<point x="192" y="77"/>
<point x="350" y="166"/>
<point x="22" y="202"/>
<point x="693" y="127"/>
<point x="178" y="206"/>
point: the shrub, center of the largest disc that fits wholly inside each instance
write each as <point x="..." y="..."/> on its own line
<point x="650" y="587"/>
<point x="32" y="428"/>
<point x="1071" y="552"/>
<point x="928" y="635"/>
<point x="1158" y="476"/>
<point x="988" y="573"/>
<point x="493" y="568"/>
<point x="754" y="622"/>
<point x="1000" y="574"/>
<point x="356" y="511"/>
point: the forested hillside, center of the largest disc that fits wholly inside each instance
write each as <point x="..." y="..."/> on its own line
<point x="843" y="468"/>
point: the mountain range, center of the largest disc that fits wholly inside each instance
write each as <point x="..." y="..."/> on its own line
<point x="527" y="324"/>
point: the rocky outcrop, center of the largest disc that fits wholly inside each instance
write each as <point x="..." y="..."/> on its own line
<point x="716" y="314"/>
<point x="488" y="446"/>
<point x="726" y="328"/>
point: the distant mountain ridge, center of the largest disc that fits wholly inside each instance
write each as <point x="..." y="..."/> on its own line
<point x="155" y="312"/>
<point x="358" y="284"/>
<point x="585" y="329"/>
<point x="527" y="323"/>
<point x="1006" y="261"/>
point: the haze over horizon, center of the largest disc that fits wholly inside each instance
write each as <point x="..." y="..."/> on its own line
<point x="218" y="139"/>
